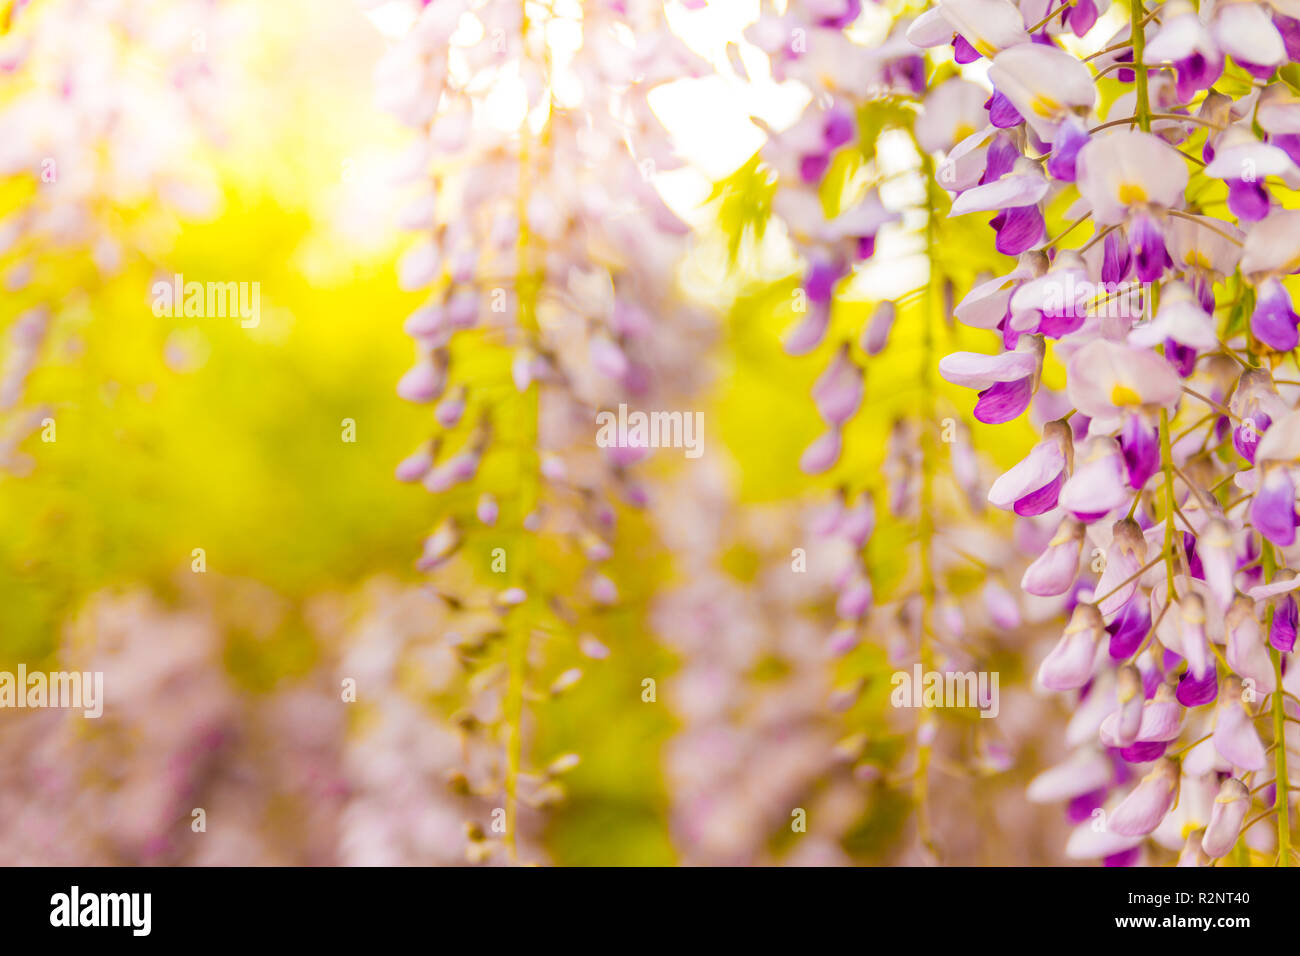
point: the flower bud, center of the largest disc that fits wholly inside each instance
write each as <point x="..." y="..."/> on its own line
<point x="1069" y="665"/>
<point x="1144" y="808"/>
<point x="1229" y="812"/>
<point x="1235" y="737"/>
<point x="1055" y="569"/>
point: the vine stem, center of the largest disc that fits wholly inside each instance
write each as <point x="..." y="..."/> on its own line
<point x="1055" y="13"/>
<point x="1281" y="803"/>
<point x="1137" y="30"/>
<point x="1200" y="221"/>
<point x="925" y="520"/>
<point x="1167" y="466"/>
<point x="526" y="290"/>
<point x="1177" y="117"/>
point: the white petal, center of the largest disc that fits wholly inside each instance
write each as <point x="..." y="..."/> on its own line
<point x="1104" y="376"/>
<point x="1273" y="245"/>
<point x="1126" y="167"/>
<point x="1013" y="190"/>
<point x="1043" y="83"/>
<point x="930" y="29"/>
<point x="1252" y="158"/>
<point x="1043" y="463"/>
<point x="1246" y="32"/>
<point x="988" y="25"/>
<point x="976" y="370"/>
<point x="1178" y="39"/>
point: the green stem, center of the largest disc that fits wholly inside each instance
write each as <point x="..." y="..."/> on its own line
<point x="1137" y="26"/>
<point x="1167" y="466"/>
<point x="925" y="520"/>
<point x="1281" y="804"/>
<point x="526" y="289"/>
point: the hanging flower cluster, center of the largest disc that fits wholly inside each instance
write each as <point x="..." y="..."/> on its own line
<point x="405" y="770"/>
<point x="754" y="771"/>
<point x="547" y="257"/>
<point x="185" y="766"/>
<point x="105" y="105"/>
<point x="1139" y="167"/>
<point x="842" y="177"/>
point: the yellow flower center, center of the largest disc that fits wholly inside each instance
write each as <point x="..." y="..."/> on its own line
<point x="962" y="131"/>
<point x="1044" y="105"/>
<point x="1131" y="193"/>
<point x="1121" y="395"/>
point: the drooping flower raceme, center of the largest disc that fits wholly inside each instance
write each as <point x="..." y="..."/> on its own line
<point x="1154" y="263"/>
<point x="106" y="105"/>
<point x="540" y="232"/>
<point x="842" y="181"/>
<point x="755" y="741"/>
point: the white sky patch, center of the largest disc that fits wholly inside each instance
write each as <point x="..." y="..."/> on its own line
<point x="708" y="118"/>
<point x="393" y="18"/>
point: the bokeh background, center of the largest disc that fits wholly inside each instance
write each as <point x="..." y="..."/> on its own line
<point x="239" y="141"/>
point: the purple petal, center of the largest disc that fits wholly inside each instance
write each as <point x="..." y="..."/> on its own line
<point x="1070" y="138"/>
<point x="852" y="10"/>
<point x="1181" y="357"/>
<point x="1004" y="401"/>
<point x="1149" y="252"/>
<point x="1130" y="857"/>
<point x="1002" y="113"/>
<point x="1144" y="751"/>
<point x="1117" y="259"/>
<point x="1041" y="468"/>
<point x="1272" y="511"/>
<point x="1289" y="143"/>
<point x="1043" y="500"/>
<point x="1081" y="17"/>
<point x="1245" y="438"/>
<point x="962" y="51"/>
<point x="813" y="167"/>
<point x="1128" y="629"/>
<point x="1248" y="201"/>
<point x="1282" y="634"/>
<point x="1021" y="228"/>
<point x="838" y="129"/>
<point x="1193" y="693"/>
<point x="1196" y="72"/>
<point x="1274" y="321"/>
<point x="1289" y="28"/>
<point x="820" y="281"/>
<point x="1080" y="808"/>
<point x="1141" y="446"/>
<point x="1000" y="158"/>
